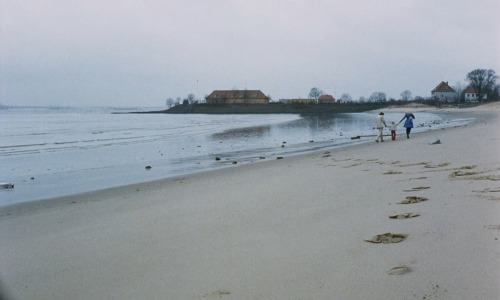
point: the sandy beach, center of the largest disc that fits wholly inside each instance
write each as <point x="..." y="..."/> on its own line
<point x="301" y="227"/>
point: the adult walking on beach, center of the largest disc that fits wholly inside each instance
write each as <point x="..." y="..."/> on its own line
<point x="408" y="123"/>
<point x="380" y="126"/>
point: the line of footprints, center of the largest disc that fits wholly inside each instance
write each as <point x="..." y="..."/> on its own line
<point x="389" y="237"/>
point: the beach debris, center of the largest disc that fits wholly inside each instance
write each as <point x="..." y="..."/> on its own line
<point x="217" y="158"/>
<point x="279" y="157"/>
<point x="148" y="167"/>
<point x="404" y="216"/>
<point x="6" y="185"/>
<point x="399" y="270"/>
<point x="436" y="142"/>
<point x="387" y="238"/>
<point x="413" y="199"/>
<point x="418" y="188"/>
<point x="355" y="137"/>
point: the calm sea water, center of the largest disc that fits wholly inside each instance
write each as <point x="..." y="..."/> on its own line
<point x="53" y="152"/>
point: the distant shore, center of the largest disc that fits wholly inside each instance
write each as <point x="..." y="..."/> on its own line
<point x="302" y="109"/>
<point x="273" y="108"/>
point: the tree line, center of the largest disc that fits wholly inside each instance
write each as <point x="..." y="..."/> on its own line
<point x="485" y="82"/>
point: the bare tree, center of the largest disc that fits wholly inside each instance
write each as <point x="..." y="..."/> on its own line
<point x="483" y="80"/>
<point x="460" y="89"/>
<point x="315" y="93"/>
<point x="496" y="93"/>
<point x="406" y="95"/>
<point x="169" y="102"/>
<point x="345" y="97"/>
<point x="378" y="97"/>
<point x="191" y="98"/>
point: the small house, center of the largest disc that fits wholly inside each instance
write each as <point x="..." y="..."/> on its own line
<point x="472" y="94"/>
<point x="326" y="99"/>
<point x="237" y="97"/>
<point x="443" y="92"/>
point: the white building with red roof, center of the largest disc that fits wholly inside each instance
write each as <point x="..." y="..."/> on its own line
<point x="444" y="92"/>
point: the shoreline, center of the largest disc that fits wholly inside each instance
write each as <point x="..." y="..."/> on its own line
<point x="31" y="193"/>
<point x="291" y="228"/>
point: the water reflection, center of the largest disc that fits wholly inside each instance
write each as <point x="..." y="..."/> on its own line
<point x="326" y="124"/>
<point x="238" y="133"/>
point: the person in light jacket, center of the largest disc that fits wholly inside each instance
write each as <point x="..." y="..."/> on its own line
<point x="380" y="126"/>
<point x="408" y="123"/>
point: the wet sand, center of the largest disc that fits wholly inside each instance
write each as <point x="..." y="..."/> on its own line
<point x="326" y="225"/>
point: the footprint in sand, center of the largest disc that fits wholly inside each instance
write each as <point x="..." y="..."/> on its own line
<point x="391" y="172"/>
<point x="217" y="294"/>
<point x="404" y="216"/>
<point x="487" y="190"/>
<point x="419" y="188"/>
<point x="456" y="174"/>
<point x="388" y="238"/>
<point x="413" y="199"/>
<point x="470" y="167"/>
<point x="495" y="227"/>
<point x="487" y="177"/>
<point x="413" y="178"/>
<point x="429" y="166"/>
<point x="418" y="178"/>
<point x="471" y="175"/>
<point x="399" y="270"/>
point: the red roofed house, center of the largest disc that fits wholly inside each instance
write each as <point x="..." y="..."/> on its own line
<point x="472" y="94"/>
<point x="237" y="97"/>
<point x="444" y="92"/>
<point x="326" y="99"/>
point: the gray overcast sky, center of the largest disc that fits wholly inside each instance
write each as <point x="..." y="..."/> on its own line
<point x="138" y="53"/>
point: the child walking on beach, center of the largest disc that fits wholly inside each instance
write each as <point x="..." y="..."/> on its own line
<point x="393" y="130"/>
